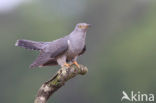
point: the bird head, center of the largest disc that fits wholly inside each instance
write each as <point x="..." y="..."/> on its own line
<point x="82" y="26"/>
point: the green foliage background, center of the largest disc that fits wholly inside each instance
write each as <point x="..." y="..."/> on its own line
<point x="121" y="49"/>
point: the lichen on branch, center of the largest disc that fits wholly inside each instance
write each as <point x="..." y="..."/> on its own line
<point x="57" y="81"/>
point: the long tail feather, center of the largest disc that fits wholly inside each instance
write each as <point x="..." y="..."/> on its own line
<point x="28" y="44"/>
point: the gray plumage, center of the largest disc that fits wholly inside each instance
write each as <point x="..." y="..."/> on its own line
<point x="60" y="51"/>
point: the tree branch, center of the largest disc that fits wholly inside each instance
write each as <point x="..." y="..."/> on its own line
<point x="57" y="81"/>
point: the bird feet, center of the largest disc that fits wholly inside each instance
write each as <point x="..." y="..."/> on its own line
<point x="76" y="64"/>
<point x="67" y="65"/>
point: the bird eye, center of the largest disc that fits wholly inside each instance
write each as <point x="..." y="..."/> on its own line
<point x="79" y="26"/>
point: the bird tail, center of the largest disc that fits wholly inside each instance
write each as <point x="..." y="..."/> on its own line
<point x="28" y="44"/>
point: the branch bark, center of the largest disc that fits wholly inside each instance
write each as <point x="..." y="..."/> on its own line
<point x="57" y="81"/>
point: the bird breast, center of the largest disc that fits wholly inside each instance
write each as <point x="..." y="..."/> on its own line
<point x="75" y="46"/>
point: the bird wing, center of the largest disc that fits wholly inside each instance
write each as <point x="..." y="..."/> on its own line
<point x="51" y="51"/>
<point x="57" y="47"/>
<point x="41" y="59"/>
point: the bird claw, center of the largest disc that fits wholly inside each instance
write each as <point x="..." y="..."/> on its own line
<point x="76" y="64"/>
<point x="67" y="65"/>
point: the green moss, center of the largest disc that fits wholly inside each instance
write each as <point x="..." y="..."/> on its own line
<point x="55" y="82"/>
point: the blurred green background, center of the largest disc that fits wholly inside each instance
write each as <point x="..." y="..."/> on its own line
<point x="121" y="48"/>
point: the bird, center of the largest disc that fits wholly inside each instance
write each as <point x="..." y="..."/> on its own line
<point x="63" y="51"/>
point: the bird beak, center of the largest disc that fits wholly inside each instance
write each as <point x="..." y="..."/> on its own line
<point x="89" y="25"/>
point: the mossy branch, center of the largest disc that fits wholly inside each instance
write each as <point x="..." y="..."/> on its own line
<point x="57" y="81"/>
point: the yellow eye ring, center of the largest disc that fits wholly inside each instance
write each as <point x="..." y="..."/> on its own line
<point x="80" y="26"/>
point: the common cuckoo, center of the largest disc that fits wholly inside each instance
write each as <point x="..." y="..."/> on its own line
<point x="63" y="51"/>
